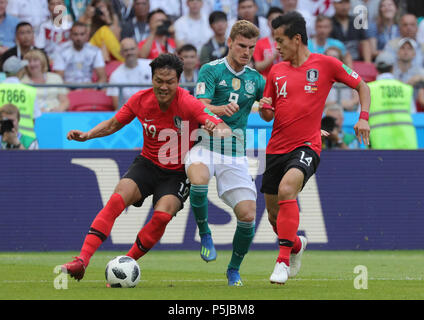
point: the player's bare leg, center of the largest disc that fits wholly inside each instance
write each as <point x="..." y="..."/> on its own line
<point x="198" y="174"/>
<point x="125" y="194"/>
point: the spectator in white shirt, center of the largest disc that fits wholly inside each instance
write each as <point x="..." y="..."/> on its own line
<point x="77" y="59"/>
<point x="34" y="11"/>
<point x="193" y="28"/>
<point x="132" y="71"/>
<point x="55" y="30"/>
<point x="247" y="10"/>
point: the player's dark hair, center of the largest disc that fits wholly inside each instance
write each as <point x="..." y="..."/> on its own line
<point x="273" y="10"/>
<point x="167" y="61"/>
<point x="22" y="24"/>
<point x="217" y="16"/>
<point x="293" y="23"/>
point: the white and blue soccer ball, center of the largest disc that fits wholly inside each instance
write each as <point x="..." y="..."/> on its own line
<point x="122" y="272"/>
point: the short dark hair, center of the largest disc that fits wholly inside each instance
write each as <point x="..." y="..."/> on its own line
<point x="273" y="10"/>
<point x="293" y="23"/>
<point x="241" y="1"/>
<point x="187" y="47"/>
<point x="78" y="24"/>
<point x="217" y="16"/>
<point x="152" y="13"/>
<point x="167" y="61"/>
<point x="22" y="24"/>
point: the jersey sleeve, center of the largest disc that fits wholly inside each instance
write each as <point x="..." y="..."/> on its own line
<point x="205" y="88"/>
<point x="344" y="74"/>
<point x="126" y="114"/>
<point x="196" y="111"/>
<point x="269" y="91"/>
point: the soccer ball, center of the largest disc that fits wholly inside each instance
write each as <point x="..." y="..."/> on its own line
<point x="122" y="272"/>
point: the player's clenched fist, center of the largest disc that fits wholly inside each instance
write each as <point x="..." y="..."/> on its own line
<point x="77" y="135"/>
<point x="230" y="109"/>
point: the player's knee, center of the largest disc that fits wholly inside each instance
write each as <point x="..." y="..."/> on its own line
<point x="198" y="174"/>
<point x="287" y="192"/>
<point x="246" y="211"/>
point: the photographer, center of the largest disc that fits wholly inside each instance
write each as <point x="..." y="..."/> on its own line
<point x="10" y="137"/>
<point x="160" y="37"/>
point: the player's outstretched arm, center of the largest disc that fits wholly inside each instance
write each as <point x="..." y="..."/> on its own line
<point x="225" y="110"/>
<point x="103" y="129"/>
<point x="221" y="130"/>
<point x="362" y="128"/>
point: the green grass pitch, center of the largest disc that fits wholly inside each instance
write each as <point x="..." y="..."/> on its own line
<point x="182" y="275"/>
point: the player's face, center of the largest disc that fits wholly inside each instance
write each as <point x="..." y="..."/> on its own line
<point x="241" y="49"/>
<point x="286" y="47"/>
<point x="165" y="84"/>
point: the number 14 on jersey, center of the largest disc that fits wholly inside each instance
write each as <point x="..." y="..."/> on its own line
<point x="281" y="91"/>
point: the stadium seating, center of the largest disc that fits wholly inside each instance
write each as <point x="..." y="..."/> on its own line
<point x="89" y="100"/>
<point x="110" y="67"/>
<point x="366" y="70"/>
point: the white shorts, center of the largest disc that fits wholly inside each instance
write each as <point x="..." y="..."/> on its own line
<point x="233" y="181"/>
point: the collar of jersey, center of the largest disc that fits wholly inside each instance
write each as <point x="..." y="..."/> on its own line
<point x="232" y="70"/>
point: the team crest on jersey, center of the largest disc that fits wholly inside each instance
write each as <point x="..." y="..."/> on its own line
<point x="177" y="123"/>
<point x="312" y="75"/>
<point x="236" y="83"/>
<point x="249" y="87"/>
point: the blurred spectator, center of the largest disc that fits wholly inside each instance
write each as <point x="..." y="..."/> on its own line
<point x="247" y="10"/>
<point x="8" y="25"/>
<point x="333" y="140"/>
<point x="77" y="59"/>
<point x="160" y="37"/>
<point x="390" y="110"/>
<point x="292" y="5"/>
<point x="10" y="135"/>
<point x="408" y="29"/>
<point x="76" y="8"/>
<point x="36" y="72"/>
<point x="385" y="28"/>
<point x="344" y="139"/>
<point x="137" y="27"/>
<point x="354" y="37"/>
<point x="403" y="69"/>
<point x="207" y="8"/>
<point x="264" y="6"/>
<point x="316" y="7"/>
<point x="132" y="71"/>
<point x="172" y="9"/>
<point x="216" y="47"/>
<point x="33" y="12"/>
<point x="24" y="42"/>
<point x="227" y="6"/>
<point x="371" y="6"/>
<point x="55" y="30"/>
<point x="266" y="54"/>
<point x="188" y="54"/>
<point x="343" y="95"/>
<point x="105" y="31"/>
<point x="124" y="9"/>
<point x="21" y="95"/>
<point x="322" y="41"/>
<point x="184" y="27"/>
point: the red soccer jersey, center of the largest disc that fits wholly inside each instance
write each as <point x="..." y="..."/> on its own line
<point x="298" y="96"/>
<point x="265" y="49"/>
<point x="167" y="135"/>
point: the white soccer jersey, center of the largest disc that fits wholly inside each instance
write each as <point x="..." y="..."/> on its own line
<point x="51" y="35"/>
<point x="78" y="65"/>
<point x="34" y="11"/>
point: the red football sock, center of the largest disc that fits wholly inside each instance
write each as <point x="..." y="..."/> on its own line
<point x="287" y="225"/>
<point x="150" y="234"/>
<point x="297" y="245"/>
<point x="101" y="227"/>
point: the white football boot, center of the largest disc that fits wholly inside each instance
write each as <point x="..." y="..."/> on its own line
<point x="280" y="273"/>
<point x="295" y="259"/>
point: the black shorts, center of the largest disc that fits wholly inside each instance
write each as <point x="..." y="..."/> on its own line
<point x="303" y="158"/>
<point x="154" y="180"/>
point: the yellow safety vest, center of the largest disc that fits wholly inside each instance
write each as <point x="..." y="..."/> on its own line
<point x="390" y="115"/>
<point x="22" y="96"/>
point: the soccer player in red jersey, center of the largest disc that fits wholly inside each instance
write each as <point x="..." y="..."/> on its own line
<point x="166" y="110"/>
<point x="295" y="94"/>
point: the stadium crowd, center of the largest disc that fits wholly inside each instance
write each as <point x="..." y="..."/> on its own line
<point x="71" y="42"/>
